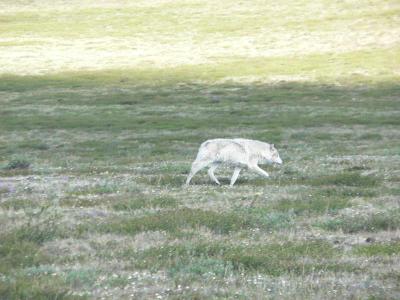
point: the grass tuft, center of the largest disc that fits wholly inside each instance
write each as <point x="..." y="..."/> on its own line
<point x="145" y="202"/>
<point x="309" y="205"/>
<point x="271" y="259"/>
<point x="378" y="249"/>
<point x="201" y="266"/>
<point x="174" y="221"/>
<point x="346" y="179"/>
<point x="43" y="288"/>
<point x="389" y="220"/>
<point x="20" y="247"/>
<point x="163" y="180"/>
<point x="80" y="278"/>
<point x="18" y="164"/>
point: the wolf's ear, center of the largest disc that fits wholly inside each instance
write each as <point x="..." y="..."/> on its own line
<point x="272" y="146"/>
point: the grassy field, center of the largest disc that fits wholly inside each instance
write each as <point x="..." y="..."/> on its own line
<point x="103" y="105"/>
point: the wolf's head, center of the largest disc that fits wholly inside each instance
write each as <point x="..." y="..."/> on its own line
<point x="272" y="155"/>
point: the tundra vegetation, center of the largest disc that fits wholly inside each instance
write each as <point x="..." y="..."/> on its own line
<point x="103" y="105"/>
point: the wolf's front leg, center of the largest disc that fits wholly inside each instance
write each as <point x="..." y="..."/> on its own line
<point x="235" y="176"/>
<point x="259" y="171"/>
<point x="196" y="167"/>
<point x="211" y="173"/>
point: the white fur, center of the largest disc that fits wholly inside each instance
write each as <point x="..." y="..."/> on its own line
<point x="240" y="153"/>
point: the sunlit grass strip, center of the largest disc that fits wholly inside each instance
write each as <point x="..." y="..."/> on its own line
<point x="321" y="67"/>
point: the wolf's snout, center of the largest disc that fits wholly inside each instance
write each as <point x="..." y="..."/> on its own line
<point x="279" y="161"/>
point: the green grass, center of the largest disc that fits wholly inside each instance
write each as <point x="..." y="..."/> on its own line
<point x="17" y="253"/>
<point x="378" y="249"/>
<point x="370" y="222"/>
<point x="21" y="247"/>
<point x="81" y="278"/>
<point x="99" y="189"/>
<point x="104" y="106"/>
<point x="36" y="288"/>
<point x="165" y="19"/>
<point x="18" y="164"/>
<point x="201" y="266"/>
<point x="346" y="179"/>
<point x="145" y="202"/>
<point x="221" y="259"/>
<point x="175" y="220"/>
<point x="311" y="205"/>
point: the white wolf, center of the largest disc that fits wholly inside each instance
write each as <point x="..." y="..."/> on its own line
<point x="240" y="153"/>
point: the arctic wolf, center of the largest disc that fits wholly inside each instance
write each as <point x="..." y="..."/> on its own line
<point x="240" y="153"/>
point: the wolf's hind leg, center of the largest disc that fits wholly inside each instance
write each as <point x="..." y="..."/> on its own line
<point x="211" y="173"/>
<point x="235" y="176"/>
<point x="259" y="171"/>
<point x="196" y="167"/>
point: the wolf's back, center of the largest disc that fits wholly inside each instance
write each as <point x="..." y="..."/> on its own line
<point x="210" y="148"/>
<point x="223" y="150"/>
